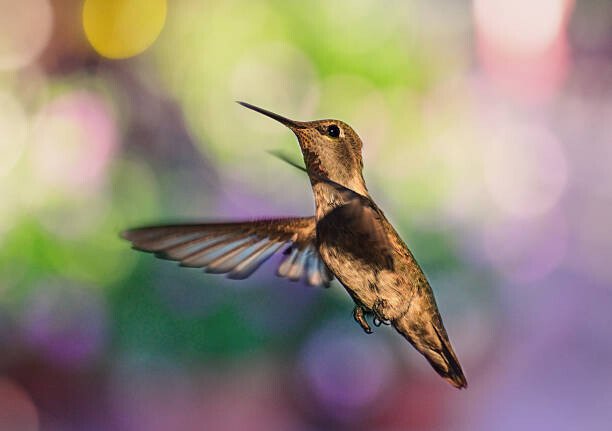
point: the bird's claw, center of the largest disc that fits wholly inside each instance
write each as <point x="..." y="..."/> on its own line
<point x="379" y="312"/>
<point x="378" y="322"/>
<point x="359" y="316"/>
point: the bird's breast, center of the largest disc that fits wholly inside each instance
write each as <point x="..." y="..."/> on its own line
<point x="386" y="291"/>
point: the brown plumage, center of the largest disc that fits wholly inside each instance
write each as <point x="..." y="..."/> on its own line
<point x="349" y="238"/>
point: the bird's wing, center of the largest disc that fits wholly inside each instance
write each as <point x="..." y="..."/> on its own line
<point x="239" y="248"/>
<point x="360" y="223"/>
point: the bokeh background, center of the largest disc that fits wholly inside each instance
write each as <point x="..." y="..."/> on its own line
<point x="488" y="142"/>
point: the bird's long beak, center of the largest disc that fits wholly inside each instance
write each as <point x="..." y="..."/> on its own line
<point x="292" y="124"/>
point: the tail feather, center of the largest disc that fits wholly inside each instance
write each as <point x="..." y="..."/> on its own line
<point x="430" y="339"/>
<point x="452" y="371"/>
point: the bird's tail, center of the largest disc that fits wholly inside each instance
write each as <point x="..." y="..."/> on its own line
<point x="429" y="337"/>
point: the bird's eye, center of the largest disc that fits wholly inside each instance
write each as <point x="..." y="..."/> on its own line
<point x="333" y="131"/>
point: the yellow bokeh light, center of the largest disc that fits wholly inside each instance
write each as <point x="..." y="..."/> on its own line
<point x="123" y="28"/>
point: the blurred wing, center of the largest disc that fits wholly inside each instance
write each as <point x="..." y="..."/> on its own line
<point x="238" y="249"/>
<point x="357" y="224"/>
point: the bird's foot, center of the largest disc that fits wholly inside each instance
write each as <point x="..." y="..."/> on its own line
<point x="379" y="312"/>
<point x="380" y="305"/>
<point x="359" y="316"/>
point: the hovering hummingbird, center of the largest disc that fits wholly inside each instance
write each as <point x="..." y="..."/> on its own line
<point x="348" y="238"/>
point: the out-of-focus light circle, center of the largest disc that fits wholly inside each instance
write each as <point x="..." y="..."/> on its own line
<point x="65" y="322"/>
<point x="17" y="411"/>
<point x="527" y="251"/>
<point x="73" y="140"/>
<point x="525" y="169"/>
<point x="346" y="372"/>
<point x="13" y="132"/>
<point x="522" y="46"/>
<point x="25" y="30"/>
<point x="520" y="26"/>
<point x="123" y="28"/>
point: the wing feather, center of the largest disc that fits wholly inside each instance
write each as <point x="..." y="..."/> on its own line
<point x="250" y="263"/>
<point x="238" y="249"/>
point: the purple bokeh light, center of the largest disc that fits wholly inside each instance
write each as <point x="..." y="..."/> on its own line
<point x="345" y="371"/>
<point x="526" y="250"/>
<point x="65" y="322"/>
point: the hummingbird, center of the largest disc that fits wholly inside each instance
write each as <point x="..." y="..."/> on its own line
<point x="348" y="238"/>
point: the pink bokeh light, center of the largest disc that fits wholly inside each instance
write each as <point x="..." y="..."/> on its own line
<point x="75" y="137"/>
<point x="522" y="46"/>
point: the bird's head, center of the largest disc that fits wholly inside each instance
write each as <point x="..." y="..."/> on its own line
<point x="331" y="149"/>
